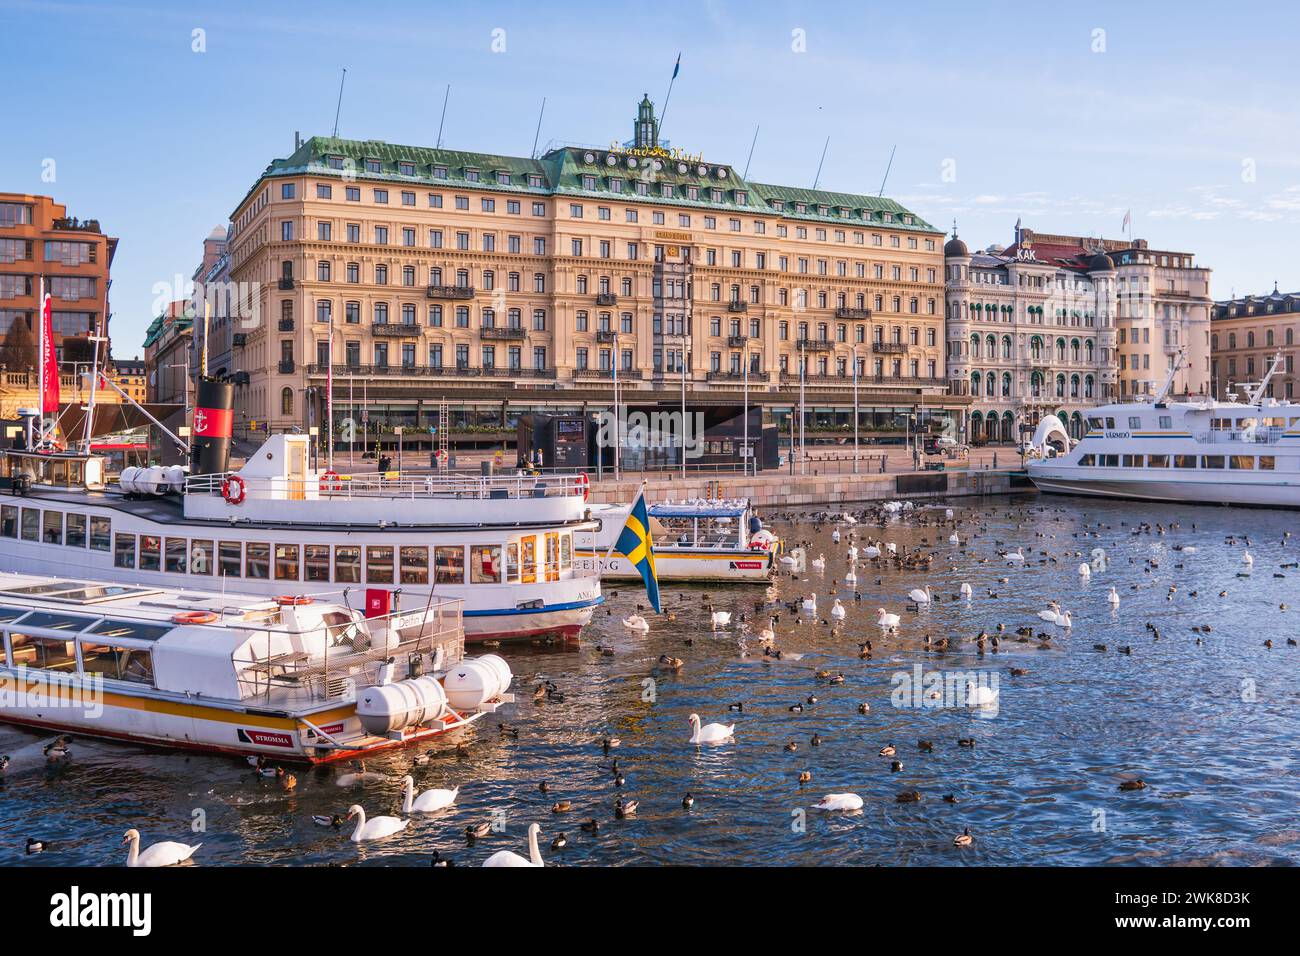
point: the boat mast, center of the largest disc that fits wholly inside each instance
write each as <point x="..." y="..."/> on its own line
<point x="1255" y="390"/>
<point x="1169" y="379"/>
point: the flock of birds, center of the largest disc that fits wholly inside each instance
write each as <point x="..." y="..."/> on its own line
<point x="870" y="553"/>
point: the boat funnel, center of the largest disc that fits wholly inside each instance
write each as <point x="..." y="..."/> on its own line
<point x="213" y="412"/>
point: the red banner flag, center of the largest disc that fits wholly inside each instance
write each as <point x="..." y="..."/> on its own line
<point x="49" y="363"/>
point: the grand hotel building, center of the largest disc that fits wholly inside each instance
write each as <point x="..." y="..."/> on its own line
<point x="502" y="284"/>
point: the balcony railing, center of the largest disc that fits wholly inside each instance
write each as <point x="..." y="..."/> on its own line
<point x="730" y="376"/>
<point x="449" y="292"/>
<point x="434" y="371"/>
<point x="815" y="345"/>
<point x="737" y="306"/>
<point x="846" y="313"/>
<point x="606" y="298"/>
<point x="864" y="381"/>
<point x="605" y="335"/>
<point x="285" y="366"/>
<point x="624" y="374"/>
<point x="73" y="224"/>
<point x="286" y="325"/>
<point x="509" y="333"/>
<point x="737" y="341"/>
<point x="396" y="329"/>
<point x="285" y="284"/>
<point x="889" y="348"/>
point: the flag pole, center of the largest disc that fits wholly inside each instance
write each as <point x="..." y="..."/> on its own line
<point x="664" y="112"/>
<point x="604" y="563"/>
<point x="40" y="365"/>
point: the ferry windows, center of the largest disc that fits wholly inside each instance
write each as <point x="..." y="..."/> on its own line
<point x="117" y="663"/>
<point x="1134" y="422"/>
<point x="415" y="565"/>
<point x="1157" y="461"/>
<point x="379" y="564"/>
<point x="100" y="538"/>
<point x="512" y="562"/>
<point x="552" y="556"/>
<point x="286" y="562"/>
<point x="75" y="535"/>
<point x="1095" y="423"/>
<point x="176" y="554"/>
<point x="230" y="559"/>
<point x="1212" y="461"/>
<point x="1087" y="461"/>
<point x="8" y="521"/>
<point x="1110" y="422"/>
<point x="485" y="564"/>
<point x="52" y="527"/>
<point x="257" y="561"/>
<point x="48" y="653"/>
<point x="1184" y="461"/>
<point x="124" y="551"/>
<point x="528" y="567"/>
<point x="1109" y="461"/>
<point x="1131" y="461"/>
<point x="347" y="564"/>
<point x="316" y="562"/>
<point x="31" y="524"/>
<point x="1267" y="463"/>
<point x="566" y="552"/>
<point x="1241" y="462"/>
<point x="449" y="565"/>
<point x="1166" y="421"/>
<point x="150" y="552"/>
<point x="200" y="557"/>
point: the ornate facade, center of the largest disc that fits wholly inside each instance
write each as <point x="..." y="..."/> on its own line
<point x="1245" y="335"/>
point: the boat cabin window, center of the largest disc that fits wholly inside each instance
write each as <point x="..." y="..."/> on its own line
<point x="1087" y="461"/>
<point x="286" y="562"/>
<point x="1110" y="422"/>
<point x="150" y="552"/>
<point x="484" y="564"/>
<point x="257" y="561"/>
<point x="316" y="562"/>
<point x="176" y="555"/>
<point x="1184" y="461"/>
<point x="52" y="527"/>
<point x="110" y="629"/>
<point x="1131" y="461"/>
<point x="230" y="559"/>
<point x="1212" y="461"/>
<point x="1241" y="462"/>
<point x="566" y="551"/>
<point x="1157" y="461"/>
<point x="1134" y="421"/>
<point x="1108" y="461"/>
<point x="1221" y="424"/>
<point x="379" y="564"/>
<point x="552" y="556"/>
<point x="100" y="539"/>
<point x="415" y="564"/>
<point x="115" y="662"/>
<point x="123" y="550"/>
<point x="8" y="521"/>
<point x="1166" y="421"/>
<point x="1096" y="423"/>
<point x="75" y="536"/>
<point x="528" y="562"/>
<point x="347" y="564"/>
<point x="47" y="653"/>
<point x="449" y="564"/>
<point x="512" y="561"/>
<point x="31" y="524"/>
<point x="1267" y="463"/>
<point x="200" y="557"/>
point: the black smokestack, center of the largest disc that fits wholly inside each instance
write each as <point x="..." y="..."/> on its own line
<point x="210" y="437"/>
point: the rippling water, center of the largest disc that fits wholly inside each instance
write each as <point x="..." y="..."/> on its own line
<point x="1211" y="729"/>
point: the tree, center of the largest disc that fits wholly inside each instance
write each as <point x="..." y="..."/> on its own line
<point x="18" y="350"/>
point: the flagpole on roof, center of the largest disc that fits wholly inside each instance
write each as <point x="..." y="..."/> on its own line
<point x="664" y="112"/>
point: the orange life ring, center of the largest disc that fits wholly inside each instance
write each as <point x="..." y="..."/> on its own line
<point x="293" y="600"/>
<point x="194" y="617"/>
<point x="583" y="483"/>
<point x="234" y="489"/>
<point x="330" y="481"/>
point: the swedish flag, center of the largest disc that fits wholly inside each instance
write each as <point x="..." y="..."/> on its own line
<point x="634" y="544"/>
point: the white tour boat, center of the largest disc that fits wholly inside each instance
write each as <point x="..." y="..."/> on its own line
<point x="293" y="679"/>
<point x="1194" y="451"/>
<point x="503" y="545"/>
<point x="701" y="540"/>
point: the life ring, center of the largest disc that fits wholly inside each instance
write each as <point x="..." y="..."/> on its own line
<point x="293" y="600"/>
<point x="330" y="481"/>
<point x="194" y="617"/>
<point x="234" y="489"/>
<point x="583" y="484"/>
<point x="760" y="545"/>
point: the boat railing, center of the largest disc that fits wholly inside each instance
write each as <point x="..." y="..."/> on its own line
<point x="412" y="487"/>
<point x="1258" y="436"/>
<point x="354" y="656"/>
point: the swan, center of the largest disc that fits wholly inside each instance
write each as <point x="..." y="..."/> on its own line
<point x="428" y="801"/>
<point x="1246" y="559"/>
<point x="166" y="853"/>
<point x="839" y="801"/>
<point x="871" y="551"/>
<point x="954" y="539"/>
<point x="947" y="513"/>
<point x="636" y="622"/>
<point x="719" y="618"/>
<point x="1113" y="598"/>
<point x="709" y="733"/>
<point x="853" y="553"/>
<point x="966" y="590"/>
<point x="919" y="596"/>
<point x="510" y="858"/>
<point x="810" y="603"/>
<point x="888" y="622"/>
<point x="819" y="563"/>
<point x="361" y="775"/>
<point x="787" y="561"/>
<point x="891" y="547"/>
<point x="835" y="536"/>
<point x="837" y="611"/>
<point x="1063" y="620"/>
<point x="1085" y="571"/>
<point x="849" y="519"/>
<point x="1015" y="557"/>
<point x="374" y="829"/>
<point x="850" y="577"/>
<point x="977" y="696"/>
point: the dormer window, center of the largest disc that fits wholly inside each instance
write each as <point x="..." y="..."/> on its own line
<point x="471" y="174"/>
<point x="588" y="181"/>
<point x="406" y="169"/>
<point x="800" y="208"/>
<point x="778" y="205"/>
<point x="534" y="180"/>
<point x="503" y="178"/>
<point x="334" y="162"/>
<point x="822" y="210"/>
<point x="666" y="190"/>
<point x="742" y="197"/>
<point x="616" y="185"/>
<point x="716" y="195"/>
<point x="439" y="172"/>
<point x="889" y="217"/>
<point x="907" y="220"/>
<point x="372" y="165"/>
<point x="844" y="212"/>
<point x="692" y="192"/>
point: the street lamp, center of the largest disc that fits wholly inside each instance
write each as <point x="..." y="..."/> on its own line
<point x="617" y="429"/>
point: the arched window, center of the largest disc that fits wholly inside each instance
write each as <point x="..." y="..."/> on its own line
<point x="1060" y="386"/>
<point x="286" y="401"/>
<point x="1074" y="386"/>
<point x="1006" y="346"/>
<point x="1036" y="384"/>
<point x="991" y="343"/>
<point x="1006" y="384"/>
<point x="990" y="384"/>
<point x="1074" y="350"/>
<point x="1060" y="350"/>
<point x="1087" y="386"/>
<point x="975" y="345"/>
<point x="1036" y="348"/>
<point x="1087" y="350"/>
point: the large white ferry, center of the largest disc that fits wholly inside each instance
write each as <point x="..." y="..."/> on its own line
<point x="501" y="545"/>
<point x="294" y="679"/>
<point x="1196" y="451"/>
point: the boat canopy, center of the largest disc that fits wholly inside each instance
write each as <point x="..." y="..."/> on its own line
<point x="701" y="508"/>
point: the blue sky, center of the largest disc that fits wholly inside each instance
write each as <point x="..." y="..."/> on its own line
<point x="1184" y="112"/>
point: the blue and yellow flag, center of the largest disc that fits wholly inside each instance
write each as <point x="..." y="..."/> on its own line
<point x="634" y="544"/>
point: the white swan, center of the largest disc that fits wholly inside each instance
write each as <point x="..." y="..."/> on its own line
<point x="954" y="539"/>
<point x="835" y="536"/>
<point x="966" y="590"/>
<point x="819" y="563"/>
<point x="428" y="801"/>
<point x="853" y="553"/>
<point x="709" y="733"/>
<point x="810" y="603"/>
<point x="977" y="696"/>
<point x="919" y="596"/>
<point x="1246" y="559"/>
<point x="636" y="623"/>
<point x="850" y="577"/>
<point x="376" y="828"/>
<point x="891" y="547"/>
<point x="871" y="551"/>
<point x="719" y="618"/>
<point x="510" y="858"/>
<point x="1085" y="571"/>
<point x="1113" y="598"/>
<point x="166" y="853"/>
<point x="787" y="561"/>
<point x="849" y="519"/>
<point x="837" y="611"/>
<point x="888" y="622"/>
<point x="839" y="801"/>
<point x="1063" y="620"/>
<point x="1049" y="614"/>
<point x="1015" y="557"/>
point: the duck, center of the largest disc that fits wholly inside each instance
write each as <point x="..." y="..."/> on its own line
<point x="636" y="622"/>
<point x="476" y="831"/>
<point x="625" y="808"/>
<point x="57" y="749"/>
<point x="888" y="750"/>
<point x="839" y="801"/>
<point x="675" y="663"/>
<point x="964" y="838"/>
<point x="429" y="801"/>
<point x="709" y="733"/>
<point x="560" y="842"/>
<point x="286" y="780"/>
<point x="166" y="853"/>
<point x="688" y="801"/>
<point x="327" y="820"/>
<point x="376" y="828"/>
<point x="510" y="858"/>
<point x="37" y="846"/>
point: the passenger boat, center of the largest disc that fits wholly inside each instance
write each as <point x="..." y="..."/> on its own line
<point x="293" y="679"/>
<point x="701" y="540"/>
<point x="501" y="545"/>
<point x="1195" y="451"/>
